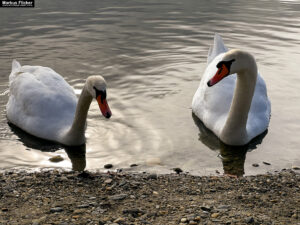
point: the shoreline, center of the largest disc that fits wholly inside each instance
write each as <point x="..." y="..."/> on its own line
<point x="68" y="197"/>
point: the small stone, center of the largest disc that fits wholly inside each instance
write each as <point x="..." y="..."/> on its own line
<point x="224" y="208"/>
<point x="83" y="206"/>
<point x="183" y="220"/>
<point x="190" y="217"/>
<point x="155" y="192"/>
<point x="108" y="181"/>
<point x="4" y="209"/>
<point x="296" y="168"/>
<point x="152" y="176"/>
<point x="133" y="212"/>
<point x="79" y="211"/>
<point x="56" y="159"/>
<point x="266" y="163"/>
<point x="39" y="221"/>
<point x="255" y="165"/>
<point x="204" y="208"/>
<point x="192" y="222"/>
<point x="119" y="220"/>
<point x="178" y="170"/>
<point x="197" y="218"/>
<point x="133" y="165"/>
<point x="56" y="209"/>
<point x="295" y="216"/>
<point x="108" y="166"/>
<point x="118" y="197"/>
<point x="249" y="220"/>
<point x="214" y="215"/>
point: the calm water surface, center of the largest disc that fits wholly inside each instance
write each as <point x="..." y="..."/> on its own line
<point x="153" y="54"/>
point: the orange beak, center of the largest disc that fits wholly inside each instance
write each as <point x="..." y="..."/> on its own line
<point x="104" y="108"/>
<point x="221" y="73"/>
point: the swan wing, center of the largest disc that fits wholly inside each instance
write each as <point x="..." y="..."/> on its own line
<point x="41" y="102"/>
<point x="260" y="110"/>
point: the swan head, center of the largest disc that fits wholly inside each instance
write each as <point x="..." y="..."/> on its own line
<point x="96" y="86"/>
<point x="234" y="61"/>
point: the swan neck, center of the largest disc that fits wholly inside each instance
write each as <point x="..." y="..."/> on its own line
<point x="235" y="126"/>
<point x="77" y="129"/>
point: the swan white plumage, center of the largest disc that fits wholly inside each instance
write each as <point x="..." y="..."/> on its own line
<point x="237" y="109"/>
<point x="43" y="104"/>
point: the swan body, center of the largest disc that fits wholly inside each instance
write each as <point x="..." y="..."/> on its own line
<point x="231" y="99"/>
<point x="43" y="104"/>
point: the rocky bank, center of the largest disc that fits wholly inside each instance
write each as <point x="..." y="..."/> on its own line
<point x="57" y="197"/>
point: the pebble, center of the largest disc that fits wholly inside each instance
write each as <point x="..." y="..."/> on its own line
<point x="214" y="215"/>
<point x="192" y="222"/>
<point x="204" y="208"/>
<point x="108" y="181"/>
<point x="119" y="220"/>
<point x="183" y="220"/>
<point x="83" y="206"/>
<point x="56" y="159"/>
<point x="108" y="166"/>
<point x="249" y="220"/>
<point x="296" y="168"/>
<point x="197" y="218"/>
<point x="133" y="212"/>
<point x="79" y="211"/>
<point x="178" y="170"/>
<point x="56" y="209"/>
<point x="266" y="163"/>
<point x="255" y="165"/>
<point x="152" y="176"/>
<point x="133" y="165"/>
<point x="118" y="197"/>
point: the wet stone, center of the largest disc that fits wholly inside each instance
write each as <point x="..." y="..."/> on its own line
<point x="204" y="208"/>
<point x="178" y="170"/>
<point x="56" y="159"/>
<point x="56" y="209"/>
<point x="255" y="165"/>
<point x="133" y="165"/>
<point x="108" y="166"/>
<point x="266" y="163"/>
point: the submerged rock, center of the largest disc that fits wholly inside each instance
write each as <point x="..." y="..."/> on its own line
<point x="56" y="159"/>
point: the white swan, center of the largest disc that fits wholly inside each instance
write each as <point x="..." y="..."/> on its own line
<point x="43" y="104"/>
<point x="237" y="109"/>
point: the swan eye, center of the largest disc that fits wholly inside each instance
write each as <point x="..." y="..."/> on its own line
<point x="100" y="93"/>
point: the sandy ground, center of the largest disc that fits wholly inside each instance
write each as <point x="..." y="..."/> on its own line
<point x="56" y="197"/>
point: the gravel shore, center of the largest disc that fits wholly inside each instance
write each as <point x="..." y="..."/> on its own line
<point x="57" y="197"/>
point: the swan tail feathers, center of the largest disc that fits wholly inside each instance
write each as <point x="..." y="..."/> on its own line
<point x="15" y="68"/>
<point x="218" y="48"/>
<point x="15" y="65"/>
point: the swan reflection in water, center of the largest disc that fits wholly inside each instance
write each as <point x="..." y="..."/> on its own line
<point x="75" y="153"/>
<point x="233" y="157"/>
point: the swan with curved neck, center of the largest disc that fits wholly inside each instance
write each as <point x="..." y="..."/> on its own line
<point x="237" y="109"/>
<point x="43" y="104"/>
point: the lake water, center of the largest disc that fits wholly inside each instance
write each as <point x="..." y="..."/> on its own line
<point x="152" y="55"/>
